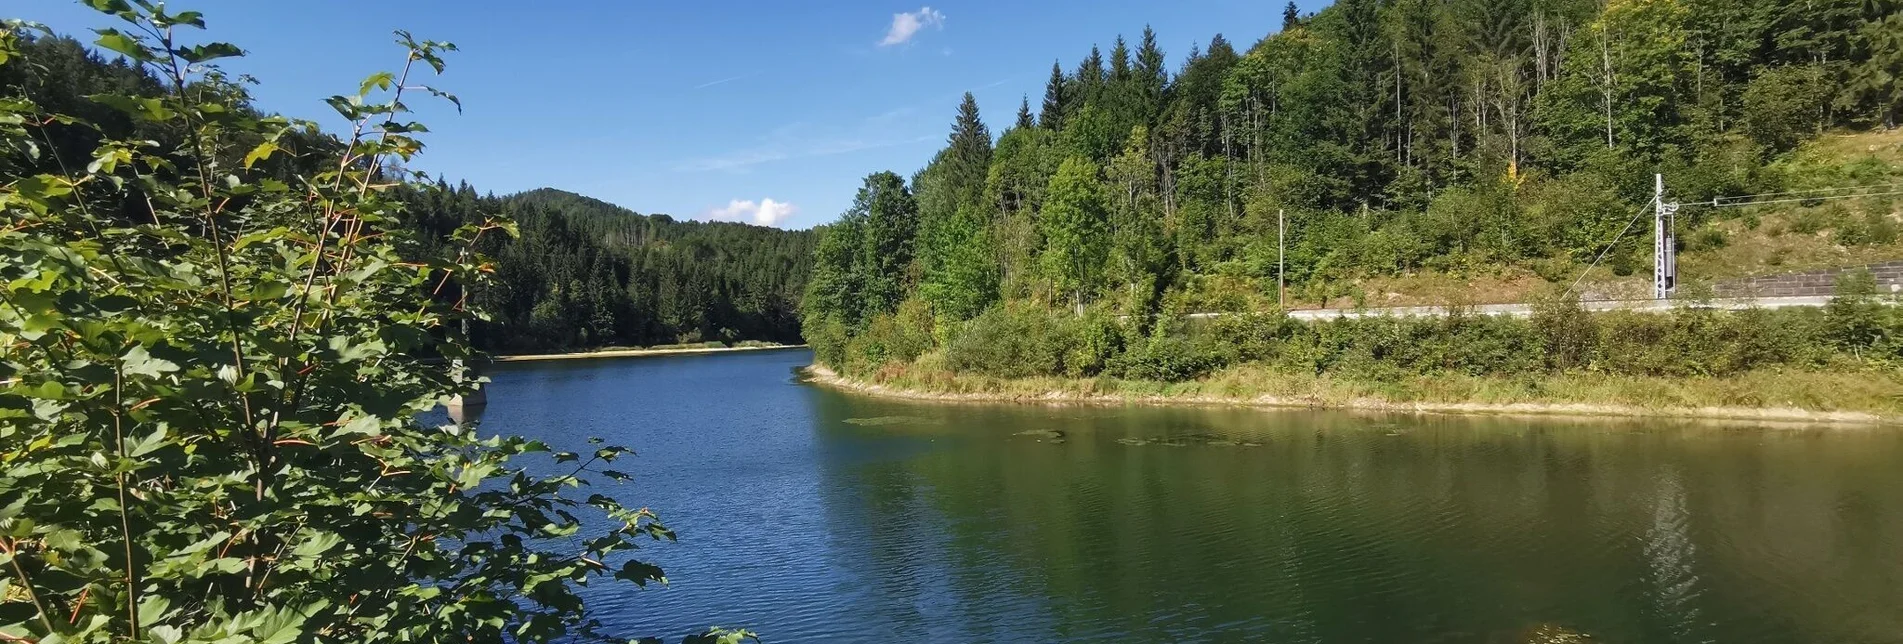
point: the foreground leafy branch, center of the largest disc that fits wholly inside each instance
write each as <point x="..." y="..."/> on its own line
<point x="211" y="365"/>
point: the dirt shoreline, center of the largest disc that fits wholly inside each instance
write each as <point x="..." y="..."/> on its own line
<point x="636" y="353"/>
<point x="822" y="375"/>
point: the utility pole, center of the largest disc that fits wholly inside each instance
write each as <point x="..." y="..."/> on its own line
<point x="1281" y="253"/>
<point x="1664" y="245"/>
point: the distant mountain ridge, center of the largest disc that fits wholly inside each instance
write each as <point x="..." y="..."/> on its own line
<point x="588" y="273"/>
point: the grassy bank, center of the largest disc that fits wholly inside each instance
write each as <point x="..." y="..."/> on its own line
<point x="675" y="349"/>
<point x="1864" y="397"/>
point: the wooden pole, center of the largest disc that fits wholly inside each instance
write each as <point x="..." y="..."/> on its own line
<point x="1281" y="253"/>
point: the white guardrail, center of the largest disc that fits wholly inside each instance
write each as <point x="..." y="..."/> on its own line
<point x="1524" y="310"/>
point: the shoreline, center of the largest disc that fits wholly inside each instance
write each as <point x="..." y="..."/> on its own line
<point x="637" y="353"/>
<point x="824" y="376"/>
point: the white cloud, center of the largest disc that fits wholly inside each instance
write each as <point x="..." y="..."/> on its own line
<point x="765" y="212"/>
<point x="905" y="25"/>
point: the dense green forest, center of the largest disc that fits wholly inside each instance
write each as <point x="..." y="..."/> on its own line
<point x="1392" y="136"/>
<point x="582" y="274"/>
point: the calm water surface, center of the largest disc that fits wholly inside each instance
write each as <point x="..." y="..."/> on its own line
<point x="812" y="515"/>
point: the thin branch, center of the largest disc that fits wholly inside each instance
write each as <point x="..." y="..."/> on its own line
<point x="13" y="555"/>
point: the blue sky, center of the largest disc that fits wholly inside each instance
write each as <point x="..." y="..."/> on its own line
<point x="768" y="112"/>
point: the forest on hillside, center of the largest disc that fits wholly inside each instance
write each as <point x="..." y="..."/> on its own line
<point x="581" y="273"/>
<point x="1385" y="136"/>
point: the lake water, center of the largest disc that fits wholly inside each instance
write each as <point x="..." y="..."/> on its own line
<point x="813" y="515"/>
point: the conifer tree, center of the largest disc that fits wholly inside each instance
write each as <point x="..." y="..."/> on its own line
<point x="1052" y="116"/>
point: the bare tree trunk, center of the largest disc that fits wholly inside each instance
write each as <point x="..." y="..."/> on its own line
<point x="1400" y="125"/>
<point x="1539" y="46"/>
<point x="1606" y="83"/>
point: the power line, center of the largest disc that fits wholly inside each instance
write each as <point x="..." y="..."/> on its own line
<point x="1716" y="204"/>
<point x="1808" y="191"/>
<point x="1608" y="248"/>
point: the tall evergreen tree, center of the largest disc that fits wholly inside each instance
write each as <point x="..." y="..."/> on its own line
<point x="1120" y="61"/>
<point x="1151" y="76"/>
<point x="955" y="181"/>
<point x="888" y="219"/>
<point x="1024" y="121"/>
<point x="1052" y="116"/>
<point x="1291" y="17"/>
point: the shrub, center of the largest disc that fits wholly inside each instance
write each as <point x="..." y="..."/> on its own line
<point x="1011" y="341"/>
<point x="1784" y="104"/>
<point x="1856" y="322"/>
<point x="1809" y="221"/>
<point x="214" y="414"/>
<point x="1567" y="332"/>
<point x="891" y="337"/>
<point x="1167" y="359"/>
<point x="828" y="338"/>
<point x="1095" y="339"/>
<point x="1707" y="238"/>
<point x="1486" y="344"/>
<point x="1256" y="337"/>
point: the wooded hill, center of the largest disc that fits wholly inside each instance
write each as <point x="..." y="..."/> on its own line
<point x="1396" y="137"/>
<point x="587" y="273"/>
<point x="583" y="273"/>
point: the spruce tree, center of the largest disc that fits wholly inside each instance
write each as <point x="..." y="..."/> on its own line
<point x="1120" y="62"/>
<point x="888" y="219"/>
<point x="1024" y="114"/>
<point x="1151" y="76"/>
<point x="1291" y="17"/>
<point x="1090" y="83"/>
<point x="970" y="148"/>
<point x="1052" y="117"/>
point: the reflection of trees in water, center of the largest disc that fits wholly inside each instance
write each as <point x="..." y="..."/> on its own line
<point x="1437" y="525"/>
<point x="913" y="569"/>
<point x="1670" y="560"/>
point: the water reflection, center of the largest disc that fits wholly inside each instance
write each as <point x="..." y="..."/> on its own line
<point x="1160" y="524"/>
<point x="812" y="515"/>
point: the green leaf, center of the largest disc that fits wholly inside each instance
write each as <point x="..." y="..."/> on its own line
<point x="154" y="608"/>
<point x="260" y="153"/>
<point x="379" y="80"/>
<point x="119" y="42"/>
<point x="137" y="362"/>
<point x="318" y="543"/>
<point x="640" y="572"/>
<point x="140" y="446"/>
<point x="279" y="627"/>
<point x="193" y="18"/>
<point x="41" y="186"/>
<point x="66" y="540"/>
<point x="210" y="51"/>
<point x="264" y="291"/>
<point x="366" y="425"/>
<point x="139" y="108"/>
<point x="166" y="634"/>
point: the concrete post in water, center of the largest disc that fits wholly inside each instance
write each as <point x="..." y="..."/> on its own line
<point x="467" y="408"/>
